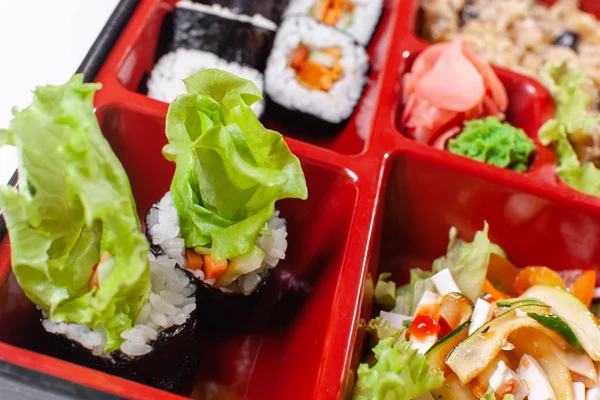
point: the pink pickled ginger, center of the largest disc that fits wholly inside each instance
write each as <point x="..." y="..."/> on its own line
<point x="448" y="84"/>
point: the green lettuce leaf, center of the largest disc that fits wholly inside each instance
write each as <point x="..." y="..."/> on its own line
<point x="574" y="116"/>
<point x="467" y="262"/>
<point x="74" y="203"/>
<point x="400" y="373"/>
<point x="230" y="170"/>
<point x="493" y="142"/>
<point x="385" y="291"/>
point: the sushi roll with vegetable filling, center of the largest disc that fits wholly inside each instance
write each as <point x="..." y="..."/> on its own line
<point x="78" y="251"/>
<point x="219" y="219"/>
<point x="358" y="18"/>
<point x="212" y="37"/>
<point x="316" y="70"/>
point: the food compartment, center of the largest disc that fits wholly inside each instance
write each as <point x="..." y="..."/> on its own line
<point x="423" y="198"/>
<point x="529" y="107"/>
<point x="284" y="340"/>
<point x="146" y="42"/>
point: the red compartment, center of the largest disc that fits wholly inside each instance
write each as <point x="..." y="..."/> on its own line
<point x="285" y="341"/>
<point x="386" y="196"/>
<point x="129" y="65"/>
<point x="422" y="199"/>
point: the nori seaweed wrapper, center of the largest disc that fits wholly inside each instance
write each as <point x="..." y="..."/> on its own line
<point x="231" y="40"/>
<point x="170" y="366"/>
<point x="270" y="9"/>
<point x="226" y="311"/>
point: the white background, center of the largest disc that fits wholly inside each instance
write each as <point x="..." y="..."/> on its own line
<point x="41" y="42"/>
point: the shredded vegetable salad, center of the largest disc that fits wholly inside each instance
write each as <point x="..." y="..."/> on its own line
<point x="478" y="327"/>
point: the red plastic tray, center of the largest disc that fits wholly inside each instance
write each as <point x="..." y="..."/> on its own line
<point x="378" y="202"/>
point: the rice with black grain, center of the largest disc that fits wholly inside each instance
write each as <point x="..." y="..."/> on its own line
<point x="519" y="34"/>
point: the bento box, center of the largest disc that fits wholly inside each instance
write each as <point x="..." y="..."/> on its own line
<point x="379" y="202"/>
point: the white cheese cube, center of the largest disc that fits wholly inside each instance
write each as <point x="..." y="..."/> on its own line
<point x="597" y="293"/>
<point x="482" y="313"/>
<point x="578" y="391"/>
<point x="536" y="380"/>
<point x="444" y="282"/>
<point x="395" y="320"/>
<point x="422" y="345"/>
<point x="429" y="304"/>
<point x="505" y="381"/>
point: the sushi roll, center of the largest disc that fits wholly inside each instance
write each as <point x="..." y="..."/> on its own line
<point x="270" y="9"/>
<point x="166" y="80"/>
<point x="219" y="220"/>
<point x="212" y="37"/>
<point x="317" y="71"/>
<point x="358" y="18"/>
<point x="79" y="254"/>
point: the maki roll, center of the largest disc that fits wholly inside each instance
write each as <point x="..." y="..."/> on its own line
<point x="78" y="251"/>
<point x="317" y="71"/>
<point x="219" y="219"/>
<point x="270" y="9"/>
<point x="212" y="37"/>
<point x="358" y="18"/>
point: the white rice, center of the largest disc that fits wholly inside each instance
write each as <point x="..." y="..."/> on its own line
<point x="166" y="79"/>
<point x="365" y="17"/>
<point x="215" y="9"/>
<point x="171" y="302"/>
<point x="333" y="106"/>
<point x="163" y="217"/>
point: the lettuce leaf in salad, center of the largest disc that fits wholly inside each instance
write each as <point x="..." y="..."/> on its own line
<point x="230" y="169"/>
<point x="491" y="141"/>
<point x="467" y="262"/>
<point x="385" y="291"/>
<point x="573" y="117"/>
<point x="74" y="204"/>
<point x="400" y="373"/>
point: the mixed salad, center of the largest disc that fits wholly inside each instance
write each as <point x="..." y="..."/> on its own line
<point x="477" y="327"/>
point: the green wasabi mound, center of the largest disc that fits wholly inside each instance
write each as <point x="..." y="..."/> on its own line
<point x="577" y="125"/>
<point x="74" y="204"/>
<point x="493" y="142"/>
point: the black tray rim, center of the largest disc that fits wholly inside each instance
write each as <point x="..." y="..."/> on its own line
<point x="25" y="383"/>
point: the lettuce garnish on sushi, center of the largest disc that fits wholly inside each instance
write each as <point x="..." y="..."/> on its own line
<point x="230" y="171"/>
<point x="576" y="128"/>
<point x="74" y="204"/>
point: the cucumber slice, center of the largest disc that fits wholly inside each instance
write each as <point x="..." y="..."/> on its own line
<point x="518" y="303"/>
<point x="436" y="356"/>
<point x="574" y="313"/>
<point x="455" y="309"/>
<point x="558" y="325"/>
<point x="475" y="353"/>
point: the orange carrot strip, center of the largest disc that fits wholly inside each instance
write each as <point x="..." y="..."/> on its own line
<point x="584" y="287"/>
<point x="332" y="16"/>
<point x="492" y="291"/>
<point x="194" y="259"/>
<point x="532" y="276"/>
<point x="212" y="268"/>
<point x="502" y="272"/>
